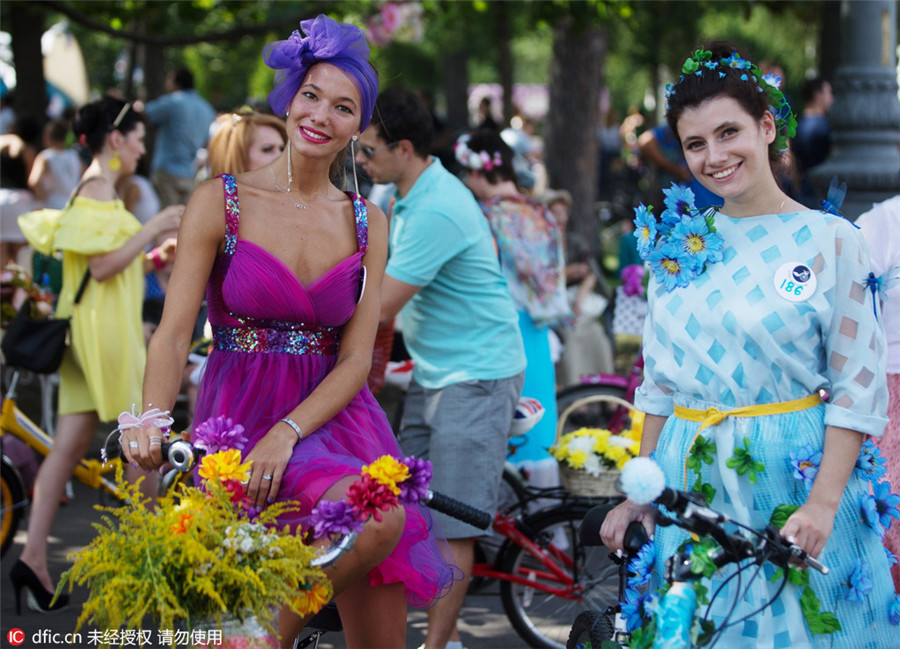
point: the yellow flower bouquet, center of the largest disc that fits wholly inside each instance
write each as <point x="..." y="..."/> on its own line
<point x="201" y="554"/>
<point x="590" y="458"/>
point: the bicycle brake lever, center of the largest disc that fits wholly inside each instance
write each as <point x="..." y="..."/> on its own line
<point x="801" y="555"/>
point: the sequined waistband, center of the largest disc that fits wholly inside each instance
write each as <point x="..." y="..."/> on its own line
<point x="320" y="341"/>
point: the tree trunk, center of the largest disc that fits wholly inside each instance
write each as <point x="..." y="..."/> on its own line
<point x="505" y="60"/>
<point x="576" y="75"/>
<point x="26" y="25"/>
<point x="456" y="89"/>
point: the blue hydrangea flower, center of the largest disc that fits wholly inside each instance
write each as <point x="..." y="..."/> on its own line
<point x="860" y="583"/>
<point x="642" y="566"/>
<point x="894" y="611"/>
<point x="870" y="463"/>
<point x="645" y="229"/>
<point x="679" y="200"/>
<point x="671" y="266"/>
<point x="697" y="242"/>
<point x="805" y="462"/>
<point x="869" y="509"/>
<point x="886" y="503"/>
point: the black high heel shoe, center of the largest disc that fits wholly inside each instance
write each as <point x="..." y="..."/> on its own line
<point x="36" y="597"/>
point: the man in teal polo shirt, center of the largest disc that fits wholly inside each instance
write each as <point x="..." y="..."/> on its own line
<point x="459" y="325"/>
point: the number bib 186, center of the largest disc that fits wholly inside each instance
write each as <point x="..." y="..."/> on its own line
<point x="795" y="281"/>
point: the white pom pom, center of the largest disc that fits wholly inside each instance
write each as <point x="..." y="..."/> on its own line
<point x="642" y="480"/>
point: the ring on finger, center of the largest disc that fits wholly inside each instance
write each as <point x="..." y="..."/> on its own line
<point x="133" y="444"/>
<point x="156" y="440"/>
<point x="267" y="476"/>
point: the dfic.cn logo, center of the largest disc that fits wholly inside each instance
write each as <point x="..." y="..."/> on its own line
<point x="16" y="637"/>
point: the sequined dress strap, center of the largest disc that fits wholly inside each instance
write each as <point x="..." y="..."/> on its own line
<point x="362" y="222"/>
<point x="232" y="213"/>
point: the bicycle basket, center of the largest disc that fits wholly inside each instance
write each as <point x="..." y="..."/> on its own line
<point x="577" y="481"/>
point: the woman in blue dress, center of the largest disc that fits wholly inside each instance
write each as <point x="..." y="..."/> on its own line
<point x="765" y="372"/>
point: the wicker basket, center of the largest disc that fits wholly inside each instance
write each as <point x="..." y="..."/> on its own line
<point x="580" y="483"/>
<point x="577" y="481"/>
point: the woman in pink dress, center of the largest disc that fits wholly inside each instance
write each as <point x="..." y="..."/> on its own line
<point x="292" y="268"/>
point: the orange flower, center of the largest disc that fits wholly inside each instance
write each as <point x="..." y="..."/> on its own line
<point x="312" y="599"/>
<point x="224" y="465"/>
<point x="184" y="521"/>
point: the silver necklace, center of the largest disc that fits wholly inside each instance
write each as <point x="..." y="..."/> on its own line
<point x="299" y="206"/>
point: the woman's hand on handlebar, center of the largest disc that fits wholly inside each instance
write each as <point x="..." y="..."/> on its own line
<point x="612" y="532"/>
<point x="809" y="527"/>
<point x="143" y="447"/>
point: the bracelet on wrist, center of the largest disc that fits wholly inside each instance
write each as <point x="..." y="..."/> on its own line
<point x="293" y="424"/>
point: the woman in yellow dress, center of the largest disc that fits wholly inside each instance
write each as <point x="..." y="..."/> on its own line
<point x="101" y="373"/>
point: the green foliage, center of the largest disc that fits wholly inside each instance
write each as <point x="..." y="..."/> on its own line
<point x="781" y="514"/>
<point x="742" y="462"/>
<point x="820" y="622"/>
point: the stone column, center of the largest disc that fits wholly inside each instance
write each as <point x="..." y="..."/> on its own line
<point x="865" y="117"/>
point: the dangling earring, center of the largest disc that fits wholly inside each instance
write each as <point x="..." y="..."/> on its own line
<point x="116" y="162"/>
<point x="353" y="159"/>
<point x="290" y="175"/>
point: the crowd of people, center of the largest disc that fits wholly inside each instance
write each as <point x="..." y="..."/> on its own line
<point x="249" y="230"/>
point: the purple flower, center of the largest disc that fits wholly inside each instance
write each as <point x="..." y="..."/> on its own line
<point x="805" y="461"/>
<point x="870" y="463"/>
<point x="860" y="583"/>
<point x="886" y="503"/>
<point x="334" y="517"/>
<point x="415" y="488"/>
<point x="894" y="611"/>
<point x="219" y="434"/>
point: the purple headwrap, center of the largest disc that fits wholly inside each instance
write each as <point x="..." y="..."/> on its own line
<point x="326" y="41"/>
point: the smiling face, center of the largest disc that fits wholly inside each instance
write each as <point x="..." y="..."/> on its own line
<point x="324" y="113"/>
<point x="266" y="144"/>
<point x="726" y="148"/>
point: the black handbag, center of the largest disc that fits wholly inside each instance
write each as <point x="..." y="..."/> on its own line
<point x="38" y="344"/>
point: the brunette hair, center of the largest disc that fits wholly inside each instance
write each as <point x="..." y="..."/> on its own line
<point x="96" y="119"/>
<point x="695" y="88"/>
<point x="229" y="147"/>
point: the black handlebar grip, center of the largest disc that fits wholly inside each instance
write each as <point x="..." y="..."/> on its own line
<point x="459" y="510"/>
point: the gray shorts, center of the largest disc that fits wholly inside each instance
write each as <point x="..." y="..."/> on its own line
<point x="462" y="429"/>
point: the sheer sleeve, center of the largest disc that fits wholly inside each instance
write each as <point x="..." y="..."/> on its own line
<point x="91" y="227"/>
<point x="854" y="341"/>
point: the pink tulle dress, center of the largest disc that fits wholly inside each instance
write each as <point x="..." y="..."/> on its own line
<point x="274" y="340"/>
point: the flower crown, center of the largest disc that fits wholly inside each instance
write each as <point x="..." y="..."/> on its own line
<point x="475" y="160"/>
<point x="681" y="242"/>
<point x="701" y="60"/>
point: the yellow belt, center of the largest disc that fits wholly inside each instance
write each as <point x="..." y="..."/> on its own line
<point x="714" y="416"/>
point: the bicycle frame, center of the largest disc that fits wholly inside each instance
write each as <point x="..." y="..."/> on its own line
<point x="551" y="559"/>
<point x="14" y="422"/>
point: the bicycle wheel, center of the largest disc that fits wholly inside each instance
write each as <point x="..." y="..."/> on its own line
<point x="590" y="630"/>
<point x="598" y="414"/>
<point x="543" y="619"/>
<point x="13" y="499"/>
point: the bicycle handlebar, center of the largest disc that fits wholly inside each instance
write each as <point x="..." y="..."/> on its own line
<point x="459" y="510"/>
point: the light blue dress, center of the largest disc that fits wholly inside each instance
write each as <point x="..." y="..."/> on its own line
<point x="785" y="313"/>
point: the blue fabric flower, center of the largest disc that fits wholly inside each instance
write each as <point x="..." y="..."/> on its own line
<point x="635" y="608"/>
<point x="680" y="200"/>
<point x="870" y="463"/>
<point x="891" y="557"/>
<point x="894" y="611"/>
<point x="642" y="566"/>
<point x="772" y="79"/>
<point x="860" y="583"/>
<point x="735" y="61"/>
<point x="869" y="509"/>
<point x="805" y="462"/>
<point x="886" y="503"/>
<point x="670" y="265"/>
<point x="697" y="242"/>
<point x="645" y="229"/>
